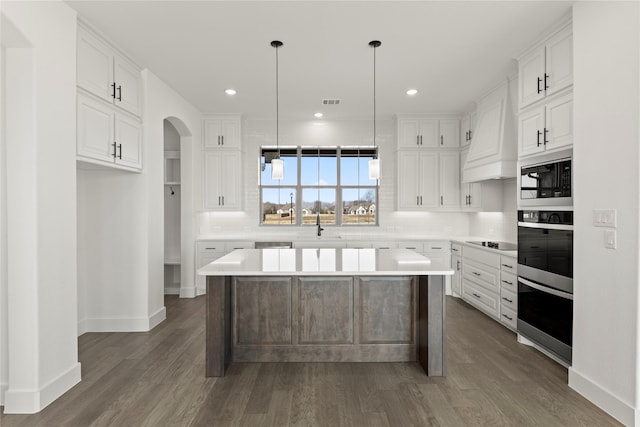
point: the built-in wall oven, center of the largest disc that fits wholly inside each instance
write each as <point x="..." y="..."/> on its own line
<point x="545" y="280"/>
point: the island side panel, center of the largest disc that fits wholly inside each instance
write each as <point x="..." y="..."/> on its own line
<point x="431" y="334"/>
<point x="218" y="327"/>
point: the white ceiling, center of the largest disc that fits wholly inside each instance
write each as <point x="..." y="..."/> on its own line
<point x="450" y="51"/>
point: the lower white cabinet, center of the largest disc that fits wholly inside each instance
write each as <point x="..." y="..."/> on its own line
<point x="509" y="292"/>
<point x="107" y="136"/>
<point x="208" y="251"/>
<point x="222" y="180"/>
<point x="456" y="265"/>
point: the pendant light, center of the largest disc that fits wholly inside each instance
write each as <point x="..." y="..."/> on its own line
<point x="374" y="164"/>
<point x="277" y="165"/>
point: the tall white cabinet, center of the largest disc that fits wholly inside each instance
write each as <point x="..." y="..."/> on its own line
<point x="109" y="104"/>
<point x="222" y="168"/>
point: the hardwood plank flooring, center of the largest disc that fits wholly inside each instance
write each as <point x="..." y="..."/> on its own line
<point x="157" y="378"/>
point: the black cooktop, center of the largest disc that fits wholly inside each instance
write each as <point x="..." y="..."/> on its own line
<point x="501" y="246"/>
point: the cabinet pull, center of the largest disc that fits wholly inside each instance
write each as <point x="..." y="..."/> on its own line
<point x="218" y="200"/>
<point x="508" y="317"/>
<point x="546" y="76"/>
<point x="507" y="265"/>
<point x="417" y="200"/>
<point x="218" y="139"/>
<point x="470" y="133"/>
<point x="221" y="139"/>
<point x="454" y="250"/>
<point x="441" y="140"/>
<point x="120" y="149"/>
<point x="507" y="299"/>
<point x="539" y="81"/>
<point x="476" y="295"/>
<point x="417" y="139"/>
<point x="114" y="150"/>
<point x="436" y="247"/>
<point x="476" y="273"/>
<point x="545" y="136"/>
<point x="119" y="93"/>
<point x="458" y="265"/>
<point x="441" y="200"/>
<point x="113" y="94"/>
<point x="538" y="138"/>
<point x="222" y="200"/>
<point x="210" y="249"/>
<point x="469" y="198"/>
<point x="507" y="282"/>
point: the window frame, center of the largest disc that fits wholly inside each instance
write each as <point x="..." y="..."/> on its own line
<point x="298" y="187"/>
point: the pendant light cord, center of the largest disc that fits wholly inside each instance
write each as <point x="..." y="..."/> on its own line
<point x="374" y="98"/>
<point x="277" y="105"/>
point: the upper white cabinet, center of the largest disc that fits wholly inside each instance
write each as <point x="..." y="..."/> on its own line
<point x="470" y="192"/>
<point x="546" y="127"/>
<point x="222" y="180"/>
<point x="428" y="133"/>
<point x="428" y="180"/>
<point x="105" y="73"/>
<point x="222" y="132"/>
<point x="467" y="128"/>
<point x="106" y="136"/>
<point x="547" y="68"/>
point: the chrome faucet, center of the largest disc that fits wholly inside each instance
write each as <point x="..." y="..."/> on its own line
<point x="318" y="224"/>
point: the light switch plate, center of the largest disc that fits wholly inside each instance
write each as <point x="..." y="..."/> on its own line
<point x="605" y="218"/>
<point x="610" y="239"/>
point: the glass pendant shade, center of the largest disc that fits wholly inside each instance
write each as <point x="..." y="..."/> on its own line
<point x="374" y="169"/>
<point x="277" y="169"/>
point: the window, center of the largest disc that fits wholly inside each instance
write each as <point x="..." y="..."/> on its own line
<point x="330" y="182"/>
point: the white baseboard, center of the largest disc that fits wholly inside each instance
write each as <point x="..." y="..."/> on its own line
<point x="188" y="292"/>
<point x="605" y="400"/>
<point x="32" y="401"/>
<point x="172" y="290"/>
<point x="141" y="324"/>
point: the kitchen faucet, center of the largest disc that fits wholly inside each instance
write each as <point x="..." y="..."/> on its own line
<point x="318" y="224"/>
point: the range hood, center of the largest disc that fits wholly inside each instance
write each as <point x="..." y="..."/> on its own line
<point x="494" y="150"/>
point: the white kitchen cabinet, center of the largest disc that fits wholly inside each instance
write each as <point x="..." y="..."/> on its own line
<point x="547" y="68"/>
<point x="222" y="132"/>
<point x="428" y="180"/>
<point x="508" y="292"/>
<point x="222" y="180"/>
<point x="106" y="136"/>
<point x="428" y="133"/>
<point x="470" y="192"/>
<point x="456" y="265"/>
<point x="546" y="127"/>
<point x="467" y="128"/>
<point x="208" y="251"/>
<point x="107" y="74"/>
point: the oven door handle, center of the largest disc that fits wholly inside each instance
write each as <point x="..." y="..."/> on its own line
<point x="545" y="225"/>
<point x="546" y="289"/>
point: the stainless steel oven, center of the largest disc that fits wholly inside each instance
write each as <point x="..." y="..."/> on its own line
<point x="545" y="280"/>
<point x="546" y="180"/>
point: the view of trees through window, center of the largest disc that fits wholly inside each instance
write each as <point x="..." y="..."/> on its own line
<point x="332" y="183"/>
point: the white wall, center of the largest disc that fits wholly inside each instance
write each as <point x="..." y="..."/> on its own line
<point x="162" y="102"/>
<point x="4" y="284"/>
<point x="606" y="158"/>
<point x="41" y="244"/>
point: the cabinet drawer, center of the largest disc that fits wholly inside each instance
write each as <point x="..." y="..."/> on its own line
<point x="384" y="245"/>
<point x="508" y="317"/>
<point x="208" y="246"/>
<point x="437" y="246"/>
<point x="509" y="264"/>
<point x="509" y="300"/>
<point x="230" y="246"/>
<point x="484" y="300"/>
<point x="414" y="246"/>
<point x="509" y="282"/>
<point x="482" y="256"/>
<point x="481" y="274"/>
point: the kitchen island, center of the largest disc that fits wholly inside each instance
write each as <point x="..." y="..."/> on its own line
<point x="324" y="305"/>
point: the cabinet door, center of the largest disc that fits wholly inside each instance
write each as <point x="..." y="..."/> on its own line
<point x="230" y="133"/>
<point x="94" y="66"/>
<point x="456" y="279"/>
<point x="559" y="61"/>
<point x="450" y="133"/>
<point x="559" y="122"/>
<point x="128" y="132"/>
<point x="212" y="133"/>
<point x="429" y="133"/>
<point x="408" y="180"/>
<point x="531" y="131"/>
<point x="95" y="136"/>
<point x="472" y="125"/>
<point x="429" y="181"/>
<point x="230" y="180"/>
<point x="475" y="195"/>
<point x="212" y="196"/>
<point x="128" y="86"/>
<point x="531" y="77"/>
<point x="449" y="180"/>
<point x="464" y="131"/>
<point x="408" y="133"/>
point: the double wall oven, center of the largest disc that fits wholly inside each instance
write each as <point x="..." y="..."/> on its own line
<point x="545" y="256"/>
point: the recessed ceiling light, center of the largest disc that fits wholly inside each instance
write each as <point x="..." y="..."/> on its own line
<point x="230" y="91"/>
<point x="318" y="115"/>
<point x="412" y="91"/>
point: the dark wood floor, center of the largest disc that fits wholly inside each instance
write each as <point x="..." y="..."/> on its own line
<point x="157" y="379"/>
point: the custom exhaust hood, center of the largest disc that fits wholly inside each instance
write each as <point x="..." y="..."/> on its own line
<point x="494" y="151"/>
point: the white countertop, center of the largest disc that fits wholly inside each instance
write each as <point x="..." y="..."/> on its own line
<point x="323" y="262"/>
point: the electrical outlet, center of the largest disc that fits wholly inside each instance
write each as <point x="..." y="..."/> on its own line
<point x="610" y="239"/>
<point x="605" y="218"/>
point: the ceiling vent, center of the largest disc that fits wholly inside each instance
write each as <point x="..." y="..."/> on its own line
<point x="330" y="101"/>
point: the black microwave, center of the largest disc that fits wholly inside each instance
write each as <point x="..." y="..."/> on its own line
<point x="546" y="180"/>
